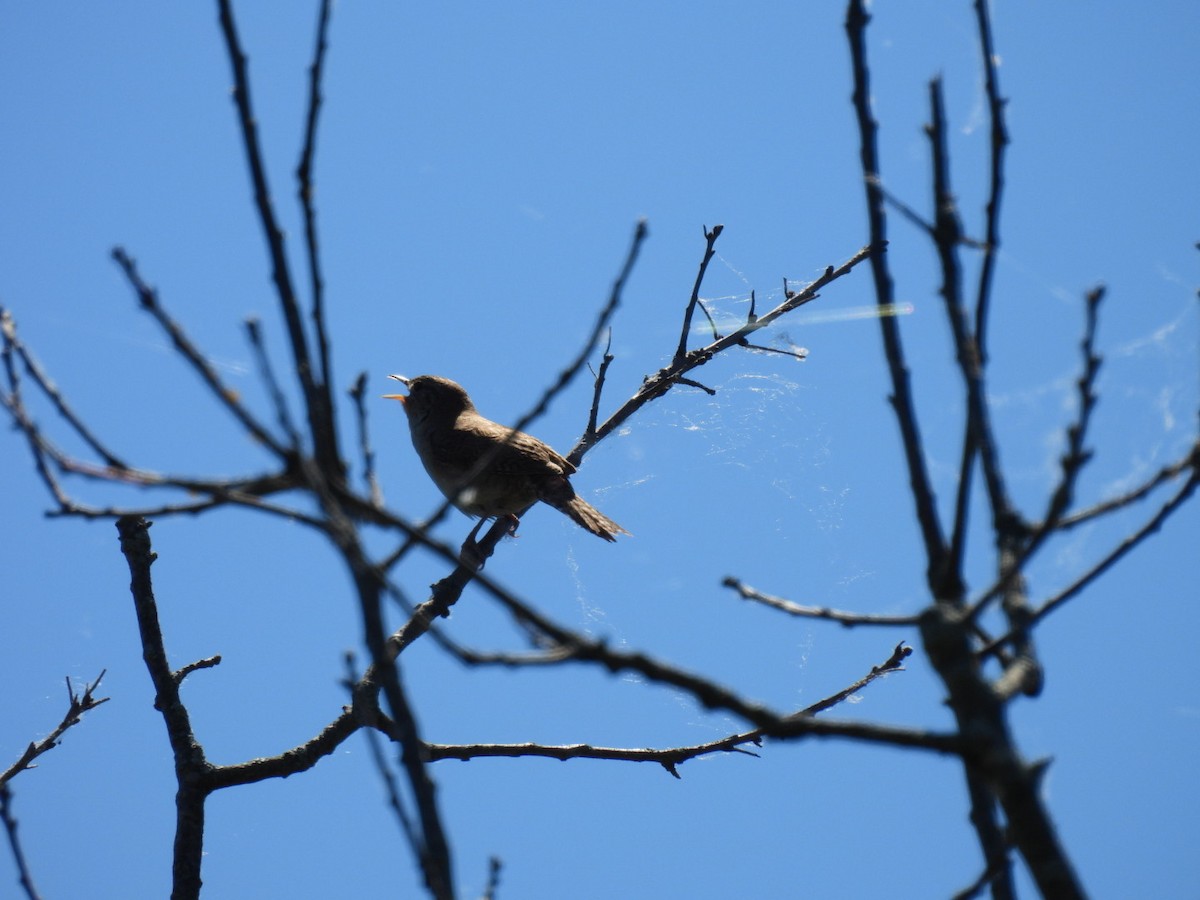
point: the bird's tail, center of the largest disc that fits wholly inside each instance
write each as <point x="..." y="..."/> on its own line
<point x="587" y="516"/>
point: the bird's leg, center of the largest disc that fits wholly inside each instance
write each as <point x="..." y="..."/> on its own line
<point x="469" y="554"/>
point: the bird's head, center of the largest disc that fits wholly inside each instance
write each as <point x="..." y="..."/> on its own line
<point x="431" y="395"/>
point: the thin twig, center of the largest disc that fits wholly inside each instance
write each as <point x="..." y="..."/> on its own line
<point x="390" y="786"/>
<point x="227" y="396"/>
<point x="39" y="445"/>
<point x="710" y="239"/>
<point x="1072" y="462"/>
<point x="267" y="373"/>
<point x="598" y="385"/>
<point x="978" y="439"/>
<point x="77" y="706"/>
<point x="370" y="482"/>
<point x="658" y="384"/>
<point x="846" y="619"/>
<point x="999" y="134"/>
<point x="1169" y="472"/>
<point x="1123" y="548"/>
<point x="8" y="328"/>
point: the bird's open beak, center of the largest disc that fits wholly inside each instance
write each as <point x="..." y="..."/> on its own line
<point x="400" y="397"/>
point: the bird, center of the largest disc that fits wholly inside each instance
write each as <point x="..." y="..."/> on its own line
<point x="486" y="469"/>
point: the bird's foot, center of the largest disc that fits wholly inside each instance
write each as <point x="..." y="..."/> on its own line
<point x="471" y="555"/>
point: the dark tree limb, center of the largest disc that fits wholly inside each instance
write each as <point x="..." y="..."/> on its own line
<point x="191" y="767"/>
<point x="304" y="179"/>
<point x="999" y="145"/>
<point x="12" y="828"/>
<point x="320" y="414"/>
<point x="942" y="581"/>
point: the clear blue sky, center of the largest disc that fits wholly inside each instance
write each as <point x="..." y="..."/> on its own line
<point x="479" y="175"/>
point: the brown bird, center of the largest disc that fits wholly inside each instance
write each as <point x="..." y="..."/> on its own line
<point x="453" y="439"/>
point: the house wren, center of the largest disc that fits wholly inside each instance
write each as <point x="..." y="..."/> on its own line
<point x="452" y="439"/>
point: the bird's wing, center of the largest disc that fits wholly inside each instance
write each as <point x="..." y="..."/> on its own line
<point x="534" y="456"/>
<point x="523" y="454"/>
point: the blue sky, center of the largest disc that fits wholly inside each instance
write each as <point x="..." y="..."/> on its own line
<point x="479" y="176"/>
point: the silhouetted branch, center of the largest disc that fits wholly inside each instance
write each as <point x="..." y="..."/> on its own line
<point x="710" y="238"/>
<point x="1123" y="548"/>
<point x="999" y="143"/>
<point x="1017" y="554"/>
<point x="304" y="177"/>
<point x="901" y="399"/>
<point x="669" y="758"/>
<point x="1169" y="472"/>
<point x="228" y="397"/>
<point x="978" y="439"/>
<point x="190" y="763"/>
<point x="265" y="370"/>
<point x="317" y="405"/>
<point x="13" y="344"/>
<point x="77" y="706"/>
<point x="370" y="482"/>
<point x="709" y="694"/>
<point x="598" y="385"/>
<point x="11" y="828"/>
<point x="658" y="384"/>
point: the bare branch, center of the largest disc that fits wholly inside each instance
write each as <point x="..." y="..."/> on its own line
<point x="658" y="384"/>
<point x="999" y="133"/>
<point x="282" y="415"/>
<point x="320" y="413"/>
<point x="304" y="177"/>
<point x="1169" y="472"/>
<point x="710" y="238"/>
<point x="1017" y="555"/>
<point x="673" y="757"/>
<point x="25" y="878"/>
<point x="39" y="446"/>
<point x="598" y="386"/>
<point x="1128" y="544"/>
<point x="901" y="399"/>
<point x="1077" y="455"/>
<point x="847" y="619"/>
<point x="228" y="397"/>
<point x="77" y="706"/>
<point x="370" y="482"/>
<point x="191" y="767"/>
<point x="978" y="439"/>
<point x="8" y="328"/>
